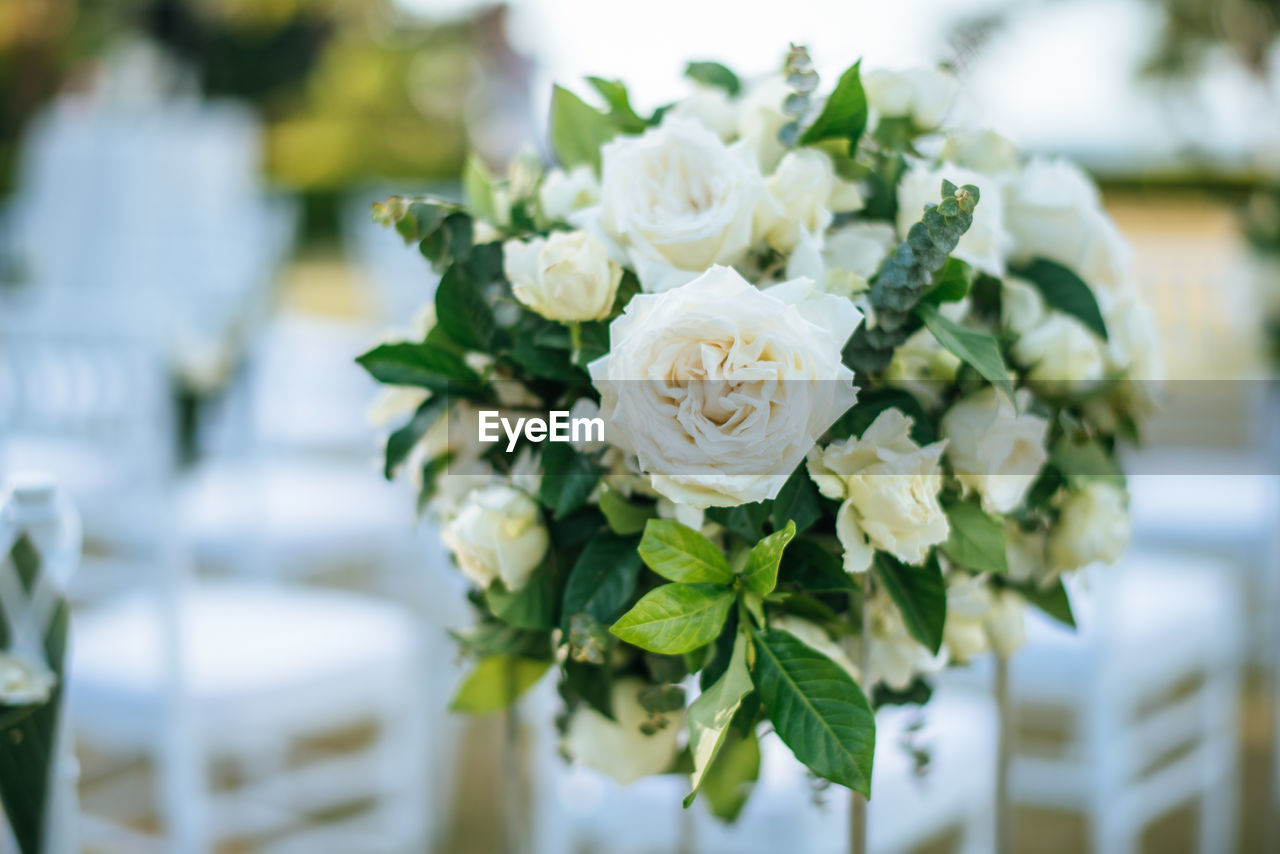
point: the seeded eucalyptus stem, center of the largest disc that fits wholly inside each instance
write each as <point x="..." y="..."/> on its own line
<point x="857" y="803"/>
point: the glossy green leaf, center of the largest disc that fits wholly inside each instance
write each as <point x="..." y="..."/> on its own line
<point x="602" y="579"/>
<point x="679" y="553"/>
<point x="676" y="618"/>
<point x="496" y="683"/>
<point x="715" y="75"/>
<point x="462" y="309"/>
<point x="477" y="186"/>
<point x="976" y="540"/>
<point x="728" y="782"/>
<point x="710" y="715"/>
<point x="797" y="502"/>
<point x="844" y="115"/>
<point x="816" y="708"/>
<point x="578" y="130"/>
<point x="920" y="594"/>
<point x="624" y="517"/>
<point x="403" y="440"/>
<point x="533" y="606"/>
<point x="567" y="480"/>
<point x="1051" y="599"/>
<point x="809" y="566"/>
<point x="760" y="575"/>
<point x="1067" y="292"/>
<point x="950" y="284"/>
<point x="974" y="347"/>
<point x="425" y="365"/>
<point x="621" y="112"/>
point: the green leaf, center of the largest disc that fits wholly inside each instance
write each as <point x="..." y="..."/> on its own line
<point x="744" y="520"/>
<point x="710" y="715"/>
<point x="976" y="540"/>
<point x="426" y="365"/>
<point x="477" y="186"/>
<point x="621" y="112"/>
<point x="496" y="683"/>
<point x="679" y="553"/>
<point x="1052" y="600"/>
<point x="462" y="309"/>
<point x="1084" y="460"/>
<point x="1064" y="290"/>
<point x="715" y="75"/>
<point x="950" y="284"/>
<point x="577" y="130"/>
<point x="974" y="347"/>
<point x="532" y="606"/>
<point x="816" y="708"/>
<point x="760" y="575"/>
<point x="814" y="569"/>
<point x="732" y="775"/>
<point x="797" y="502"/>
<point x="920" y="594"/>
<point x="676" y="618"/>
<point x="624" y="517"/>
<point x="844" y="116"/>
<point x="872" y="402"/>
<point x="568" y="478"/>
<point x="602" y="579"/>
<point x="401" y="442"/>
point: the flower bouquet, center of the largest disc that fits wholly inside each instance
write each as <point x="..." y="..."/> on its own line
<point x="763" y="407"/>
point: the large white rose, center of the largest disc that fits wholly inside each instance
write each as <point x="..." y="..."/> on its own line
<point x="563" y="193"/>
<point x="676" y="200"/>
<point x="566" y="277"/>
<point x="890" y="487"/>
<point x="994" y="448"/>
<point x="1093" y="526"/>
<point x="619" y="747"/>
<point x="987" y="242"/>
<point x="924" y="95"/>
<point x="721" y="388"/>
<point x="806" y="191"/>
<point x="498" y="533"/>
<point x="1061" y="352"/>
<point x="1053" y="211"/>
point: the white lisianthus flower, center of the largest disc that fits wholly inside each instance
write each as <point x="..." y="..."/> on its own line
<point x="498" y="533"/>
<point x="924" y="95"/>
<point x="721" y="389"/>
<point x="890" y="487"/>
<point x="806" y="191"/>
<point x="566" y="277"/>
<point x="619" y="747"/>
<point x="980" y="618"/>
<point x="987" y="242"/>
<point x="675" y="201"/>
<point x="711" y="107"/>
<point x="24" y="682"/>
<point x="1093" y="527"/>
<point x="1054" y="211"/>
<point x="1061" y="352"/>
<point x="995" y="449"/>
<point x="814" y="636"/>
<point x="843" y="260"/>
<point x="564" y="193"/>
<point x="983" y="151"/>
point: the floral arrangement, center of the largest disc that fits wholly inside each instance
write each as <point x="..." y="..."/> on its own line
<point x="861" y="381"/>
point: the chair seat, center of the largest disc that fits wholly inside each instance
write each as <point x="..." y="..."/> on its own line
<point x="250" y="653"/>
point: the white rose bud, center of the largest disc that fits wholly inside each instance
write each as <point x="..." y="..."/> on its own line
<point x="563" y="193"/>
<point x="890" y="487"/>
<point x="987" y="242"/>
<point x="1061" y="353"/>
<point x="979" y="619"/>
<point x="721" y="388"/>
<point x="498" y="533"/>
<point x="1053" y="211"/>
<point x="1093" y="527"/>
<point x="566" y="277"/>
<point x="923" y="95"/>
<point x="619" y="747"/>
<point x="675" y="201"/>
<point x="806" y="191"/>
<point x="995" y="449"/>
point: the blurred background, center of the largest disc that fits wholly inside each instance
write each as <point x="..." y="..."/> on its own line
<point x="188" y="267"/>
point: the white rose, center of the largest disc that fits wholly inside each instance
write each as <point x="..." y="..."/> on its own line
<point x="24" y="682"/>
<point x="1021" y="306"/>
<point x="619" y="747"/>
<point x="711" y="107"/>
<point x="815" y="637"/>
<point x="980" y="150"/>
<point x="566" y="277"/>
<point x="498" y="533"/>
<point x="923" y="95"/>
<point x="979" y="618"/>
<point x="923" y="366"/>
<point x="987" y="241"/>
<point x="890" y="489"/>
<point x="1025" y="553"/>
<point x="843" y="260"/>
<point x="806" y="192"/>
<point x="563" y="193"/>
<point x="995" y="449"/>
<point x="721" y="388"/>
<point x="1061" y="352"/>
<point x="675" y="201"/>
<point x="760" y="118"/>
<point x="1133" y="350"/>
<point x="895" y="658"/>
<point x="1093" y="526"/>
<point x="1054" y="212"/>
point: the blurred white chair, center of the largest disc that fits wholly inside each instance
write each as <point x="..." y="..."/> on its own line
<point x="580" y="810"/>
<point x="1138" y="712"/>
<point x="186" y="672"/>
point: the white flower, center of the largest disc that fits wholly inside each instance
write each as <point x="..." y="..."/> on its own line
<point x="890" y="489"/>
<point x="923" y="366"/>
<point x="1054" y="211"/>
<point x="566" y="277"/>
<point x="676" y="201"/>
<point x="1133" y="351"/>
<point x="760" y="118"/>
<point x="987" y="241"/>
<point x="498" y="533"/>
<point x="1093" y="526"/>
<point x="24" y="682"/>
<point x="1021" y="306"/>
<point x="563" y="193"/>
<point x="619" y="747"/>
<point x="924" y="95"/>
<point x="843" y="260"/>
<point x="1025" y="553"/>
<point x="994" y="448"/>
<point x="1061" y="353"/>
<point x="895" y="657"/>
<point x="712" y="107"/>
<point x="806" y="191"/>
<point x="979" y="618"/>
<point x="814" y="636"/>
<point x="980" y="150"/>
<point x="721" y="388"/>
